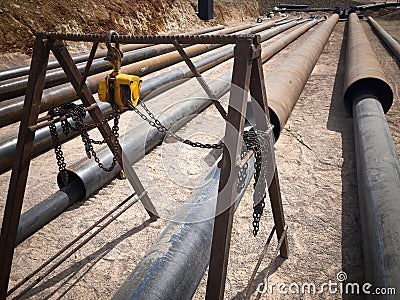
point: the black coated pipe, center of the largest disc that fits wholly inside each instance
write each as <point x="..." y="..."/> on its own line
<point x="43" y="140"/>
<point x="17" y="86"/>
<point x="389" y="41"/>
<point x="286" y="21"/>
<point x="174" y="265"/>
<point x="378" y="177"/>
<point x="369" y="96"/>
<point x="91" y="178"/>
<point x="23" y="71"/>
<point x="374" y="6"/>
<point x="293" y="6"/>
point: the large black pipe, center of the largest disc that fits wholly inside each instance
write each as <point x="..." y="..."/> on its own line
<point x="91" y="178"/>
<point x="174" y="265"/>
<point x="369" y="96"/>
<point x="17" y="86"/>
<point x="23" y="71"/>
<point x="43" y="140"/>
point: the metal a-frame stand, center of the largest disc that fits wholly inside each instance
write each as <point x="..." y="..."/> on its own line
<point x="247" y="77"/>
<point x="26" y="137"/>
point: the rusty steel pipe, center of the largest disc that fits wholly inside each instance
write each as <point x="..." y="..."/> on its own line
<point x="16" y="87"/>
<point x="43" y="140"/>
<point x="293" y="74"/>
<point x="275" y="47"/>
<point x="363" y="72"/>
<point x="11" y="110"/>
<point x="369" y="96"/>
<point x="22" y="71"/>
<point x="386" y="38"/>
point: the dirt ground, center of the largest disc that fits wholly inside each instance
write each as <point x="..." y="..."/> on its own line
<point x="316" y="163"/>
<point x="22" y="19"/>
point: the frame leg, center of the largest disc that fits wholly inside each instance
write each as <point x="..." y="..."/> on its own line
<point x="277" y="212"/>
<point x="261" y="115"/>
<point x="228" y="179"/>
<point x="66" y="62"/>
<point x="23" y="155"/>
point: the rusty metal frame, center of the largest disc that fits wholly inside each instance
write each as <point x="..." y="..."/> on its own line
<point x="247" y="77"/>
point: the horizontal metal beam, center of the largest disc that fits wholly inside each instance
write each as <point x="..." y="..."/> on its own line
<point x="147" y="39"/>
<point x="21" y="71"/>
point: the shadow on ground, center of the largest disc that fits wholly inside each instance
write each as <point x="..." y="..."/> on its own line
<point x="340" y="120"/>
<point x="89" y="262"/>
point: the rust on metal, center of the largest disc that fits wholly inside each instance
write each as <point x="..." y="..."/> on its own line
<point x="294" y="73"/>
<point x="11" y="110"/>
<point x="386" y="37"/>
<point x="228" y="178"/>
<point x="147" y="39"/>
<point x="363" y="71"/>
<point x="20" y="169"/>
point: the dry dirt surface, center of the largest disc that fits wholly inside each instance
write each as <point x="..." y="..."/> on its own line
<point x="316" y="163"/>
<point x="19" y="20"/>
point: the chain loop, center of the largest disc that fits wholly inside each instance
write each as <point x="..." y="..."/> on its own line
<point x="154" y="122"/>
<point x="77" y="114"/>
<point x="257" y="141"/>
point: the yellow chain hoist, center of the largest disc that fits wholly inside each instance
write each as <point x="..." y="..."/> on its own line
<point x="118" y="89"/>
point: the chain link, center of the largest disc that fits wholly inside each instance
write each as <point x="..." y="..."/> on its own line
<point x="257" y="141"/>
<point x="154" y="122"/>
<point x="77" y="114"/>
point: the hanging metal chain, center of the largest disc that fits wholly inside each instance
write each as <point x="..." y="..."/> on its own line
<point x="59" y="154"/>
<point x="242" y="173"/>
<point x="152" y="121"/>
<point x="77" y="114"/>
<point x="258" y="141"/>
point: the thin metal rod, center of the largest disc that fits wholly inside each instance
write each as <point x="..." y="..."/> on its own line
<point x="84" y="242"/>
<point x="200" y="79"/>
<point x="87" y="68"/>
<point x="260" y="259"/>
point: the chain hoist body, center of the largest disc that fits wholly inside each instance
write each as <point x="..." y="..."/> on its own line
<point x="118" y="89"/>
